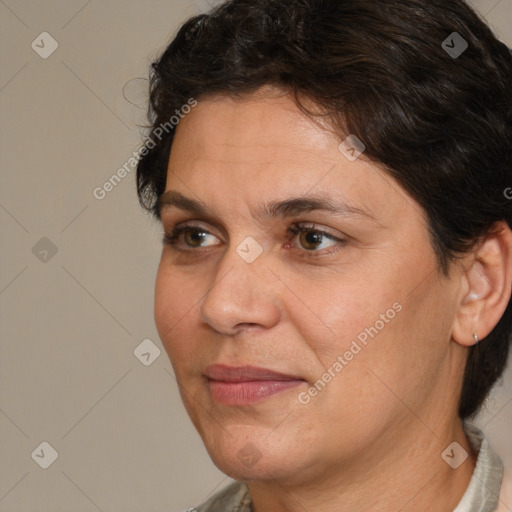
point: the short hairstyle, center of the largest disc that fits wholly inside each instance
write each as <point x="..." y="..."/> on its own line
<point x="433" y="114"/>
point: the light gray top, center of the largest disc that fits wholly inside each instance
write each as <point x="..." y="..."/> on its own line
<point x="482" y="494"/>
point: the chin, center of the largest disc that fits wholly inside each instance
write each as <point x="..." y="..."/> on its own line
<point x="245" y="471"/>
<point x="255" y="455"/>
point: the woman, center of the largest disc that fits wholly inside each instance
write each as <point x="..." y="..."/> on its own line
<point x="334" y="288"/>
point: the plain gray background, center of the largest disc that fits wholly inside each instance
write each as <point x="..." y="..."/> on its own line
<point x="72" y="319"/>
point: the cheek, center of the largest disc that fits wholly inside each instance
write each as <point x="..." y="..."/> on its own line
<point x="342" y="310"/>
<point x="175" y="303"/>
<point x="368" y="322"/>
<point x="330" y="324"/>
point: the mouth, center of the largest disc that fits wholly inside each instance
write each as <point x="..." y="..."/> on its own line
<point x="244" y="385"/>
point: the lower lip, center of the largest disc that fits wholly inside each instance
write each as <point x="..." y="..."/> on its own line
<point x="243" y="393"/>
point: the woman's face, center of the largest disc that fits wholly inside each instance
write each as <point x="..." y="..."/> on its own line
<point x="351" y="315"/>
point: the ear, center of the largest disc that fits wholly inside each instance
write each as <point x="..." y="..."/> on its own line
<point x="486" y="287"/>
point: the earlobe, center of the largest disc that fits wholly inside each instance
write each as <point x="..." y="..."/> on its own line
<point x="485" y="288"/>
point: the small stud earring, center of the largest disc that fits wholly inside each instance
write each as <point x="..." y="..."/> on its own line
<point x="475" y="335"/>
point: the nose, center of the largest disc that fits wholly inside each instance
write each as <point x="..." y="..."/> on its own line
<point x="241" y="294"/>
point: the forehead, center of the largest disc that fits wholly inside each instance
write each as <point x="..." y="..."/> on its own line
<point x="262" y="125"/>
<point x="263" y="147"/>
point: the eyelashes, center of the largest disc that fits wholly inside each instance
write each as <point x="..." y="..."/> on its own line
<point x="173" y="238"/>
<point x="297" y="230"/>
<point x="308" y="234"/>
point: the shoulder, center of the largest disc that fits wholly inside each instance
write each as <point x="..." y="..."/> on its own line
<point x="488" y="480"/>
<point x="506" y="491"/>
<point x="233" y="498"/>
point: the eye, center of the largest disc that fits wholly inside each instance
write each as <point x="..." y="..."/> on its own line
<point x="189" y="237"/>
<point x="193" y="237"/>
<point x="311" y="238"/>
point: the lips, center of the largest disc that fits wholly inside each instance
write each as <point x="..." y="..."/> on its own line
<point x="225" y="373"/>
<point x="243" y="385"/>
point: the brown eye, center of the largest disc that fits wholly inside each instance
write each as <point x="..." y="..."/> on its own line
<point x="183" y="238"/>
<point x="311" y="239"/>
<point x="194" y="237"/>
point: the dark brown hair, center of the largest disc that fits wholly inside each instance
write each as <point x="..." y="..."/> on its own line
<point x="388" y="72"/>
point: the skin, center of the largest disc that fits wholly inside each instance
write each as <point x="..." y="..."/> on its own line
<point x="372" y="438"/>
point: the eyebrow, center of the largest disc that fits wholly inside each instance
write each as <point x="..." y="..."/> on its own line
<point x="272" y="210"/>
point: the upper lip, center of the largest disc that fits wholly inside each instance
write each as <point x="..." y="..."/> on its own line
<point x="224" y="373"/>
